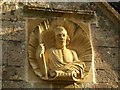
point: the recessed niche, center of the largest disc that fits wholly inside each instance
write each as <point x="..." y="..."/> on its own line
<point x="60" y="47"/>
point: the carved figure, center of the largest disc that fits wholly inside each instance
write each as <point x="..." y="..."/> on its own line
<point x="60" y="62"/>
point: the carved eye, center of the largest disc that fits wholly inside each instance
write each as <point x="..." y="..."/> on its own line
<point x="63" y="35"/>
<point x="59" y="35"/>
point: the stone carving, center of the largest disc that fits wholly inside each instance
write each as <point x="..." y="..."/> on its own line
<point x="51" y="56"/>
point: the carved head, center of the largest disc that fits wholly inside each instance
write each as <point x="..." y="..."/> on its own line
<point x="60" y="36"/>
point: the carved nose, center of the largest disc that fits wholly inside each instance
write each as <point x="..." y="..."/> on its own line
<point x="62" y="36"/>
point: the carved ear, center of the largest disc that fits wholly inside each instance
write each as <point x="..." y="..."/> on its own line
<point x="68" y="40"/>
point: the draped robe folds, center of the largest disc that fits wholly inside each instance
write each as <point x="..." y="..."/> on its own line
<point x="59" y="69"/>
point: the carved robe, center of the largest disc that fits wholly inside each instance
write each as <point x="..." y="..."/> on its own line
<point x="64" y="64"/>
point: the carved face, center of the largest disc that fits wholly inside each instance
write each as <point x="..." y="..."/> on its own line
<point x="60" y="37"/>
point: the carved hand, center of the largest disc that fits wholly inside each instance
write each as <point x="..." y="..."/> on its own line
<point x="42" y="48"/>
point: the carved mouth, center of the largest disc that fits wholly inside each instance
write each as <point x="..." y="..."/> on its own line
<point x="62" y="40"/>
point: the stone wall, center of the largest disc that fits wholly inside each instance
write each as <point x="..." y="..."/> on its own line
<point x="14" y="47"/>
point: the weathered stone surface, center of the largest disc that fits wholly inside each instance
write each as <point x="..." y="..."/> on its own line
<point x="0" y="73"/>
<point x="13" y="30"/>
<point x="65" y="5"/>
<point x="12" y="11"/>
<point x="106" y="32"/>
<point x="13" y="25"/>
<point x="119" y="67"/>
<point x="118" y="58"/>
<point x="105" y="35"/>
<point x="112" y="85"/>
<point x="106" y="64"/>
<point x="42" y="85"/>
<point x="106" y="59"/>
<point x="13" y="15"/>
<point x="0" y="84"/>
<point x="9" y="16"/>
<point x="13" y="53"/>
<point x="106" y="56"/>
<point x="62" y="85"/>
<point x="118" y="84"/>
<point x="0" y="51"/>
<point x="11" y="73"/>
<point x="83" y="85"/>
<point x="8" y="6"/>
<point x="17" y="84"/>
<point x="105" y="76"/>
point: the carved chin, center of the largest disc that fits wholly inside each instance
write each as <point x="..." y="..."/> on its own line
<point x="62" y="44"/>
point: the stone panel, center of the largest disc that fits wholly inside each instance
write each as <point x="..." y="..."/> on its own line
<point x="17" y="84"/>
<point x="0" y="84"/>
<point x="66" y="5"/>
<point x="85" y="85"/>
<point x="12" y="11"/>
<point x="118" y="58"/>
<point x="0" y="73"/>
<point x="105" y="35"/>
<point x="105" y="32"/>
<point x="106" y="64"/>
<point x="62" y="85"/>
<point x="106" y="86"/>
<point x="106" y="56"/>
<point x="13" y="53"/>
<point x="11" y="73"/>
<point x="13" y="30"/>
<point x="42" y="85"/>
<point x="0" y="51"/>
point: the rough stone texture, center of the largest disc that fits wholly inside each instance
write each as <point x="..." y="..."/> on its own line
<point x="105" y="41"/>
<point x="11" y="11"/>
<point x="119" y="65"/>
<point x="13" y="30"/>
<point x="108" y="86"/>
<point x="13" y="53"/>
<point x="106" y="33"/>
<point x="0" y="72"/>
<point x="66" y="5"/>
<point x="102" y="55"/>
<point x="42" y="85"/>
<point x="15" y="84"/>
<point x="13" y="48"/>
<point x="62" y="85"/>
<point x="11" y="73"/>
<point x="84" y="85"/>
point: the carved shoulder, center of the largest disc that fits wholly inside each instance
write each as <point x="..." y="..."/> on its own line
<point x="47" y="54"/>
<point x="75" y="56"/>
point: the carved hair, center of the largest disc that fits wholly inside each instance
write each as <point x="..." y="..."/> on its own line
<point x="61" y="28"/>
